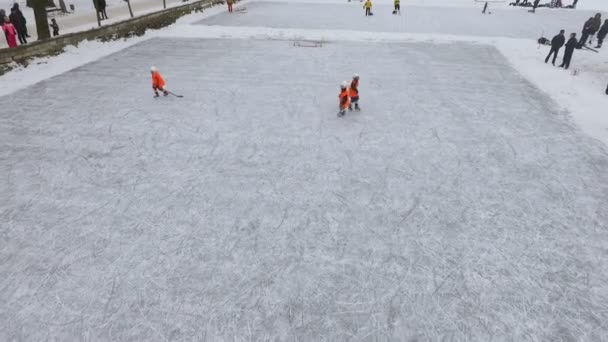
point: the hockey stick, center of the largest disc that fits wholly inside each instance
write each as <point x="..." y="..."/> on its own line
<point x="180" y="96"/>
<point x="590" y="48"/>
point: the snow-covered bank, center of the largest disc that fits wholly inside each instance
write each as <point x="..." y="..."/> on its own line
<point x="87" y="51"/>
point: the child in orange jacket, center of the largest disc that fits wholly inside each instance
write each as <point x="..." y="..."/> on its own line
<point x="353" y="92"/>
<point x="158" y="82"/>
<point x="344" y="98"/>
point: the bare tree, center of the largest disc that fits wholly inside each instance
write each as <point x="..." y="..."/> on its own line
<point x="40" y="15"/>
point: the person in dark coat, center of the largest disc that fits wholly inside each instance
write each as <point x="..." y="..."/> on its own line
<point x="601" y="34"/>
<point x="556" y="43"/>
<point x="595" y="26"/>
<point x="19" y="22"/>
<point x="101" y="7"/>
<point x="535" y="6"/>
<point x="55" y="27"/>
<point x="21" y="17"/>
<point x="586" y="32"/>
<point x="570" y="46"/>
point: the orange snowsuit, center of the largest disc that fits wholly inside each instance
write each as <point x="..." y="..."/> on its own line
<point x="158" y="82"/>
<point x="354" y="90"/>
<point x="344" y="99"/>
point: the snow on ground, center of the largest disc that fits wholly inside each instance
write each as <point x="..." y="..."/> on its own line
<point x="462" y="203"/>
<point x="84" y="18"/>
<point x="447" y="208"/>
<point x="452" y="21"/>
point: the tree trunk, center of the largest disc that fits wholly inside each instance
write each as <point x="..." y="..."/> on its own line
<point x="42" y="22"/>
<point x="129" y="5"/>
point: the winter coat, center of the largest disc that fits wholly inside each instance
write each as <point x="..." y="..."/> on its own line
<point x="595" y="25"/>
<point x="158" y="82"/>
<point x="571" y="44"/>
<point x="17" y="19"/>
<point x="101" y="4"/>
<point x="367" y="4"/>
<point x="588" y="25"/>
<point x="558" y="41"/>
<point x="11" y="34"/>
<point x="601" y="34"/>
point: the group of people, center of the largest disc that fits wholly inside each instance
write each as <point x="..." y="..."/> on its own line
<point x="592" y="27"/>
<point x="557" y="43"/>
<point x="367" y="6"/>
<point x="536" y="3"/>
<point x="14" y="26"/>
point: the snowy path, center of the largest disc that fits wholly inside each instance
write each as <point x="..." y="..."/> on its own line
<point x="454" y="206"/>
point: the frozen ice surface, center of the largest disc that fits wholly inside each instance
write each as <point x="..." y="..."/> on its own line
<point x="458" y="205"/>
<point x="510" y="22"/>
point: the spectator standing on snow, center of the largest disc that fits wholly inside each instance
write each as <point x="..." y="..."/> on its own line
<point x="397" y="6"/>
<point x="601" y="34"/>
<point x="55" y="27"/>
<point x="101" y="7"/>
<point x="556" y="44"/>
<point x="10" y="32"/>
<point x="229" y="3"/>
<point x="18" y="20"/>
<point x="570" y="46"/>
<point x="368" y="7"/>
<point x="586" y="32"/>
<point x="21" y="17"/>
<point x="597" y="23"/>
<point x="535" y="6"/>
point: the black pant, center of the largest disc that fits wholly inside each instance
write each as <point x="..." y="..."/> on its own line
<point x="567" y="58"/>
<point x="555" y="52"/>
<point x="21" y="36"/>
<point x="600" y="40"/>
<point x="583" y="39"/>
<point x="103" y="14"/>
<point x="368" y="11"/>
<point x="398" y="8"/>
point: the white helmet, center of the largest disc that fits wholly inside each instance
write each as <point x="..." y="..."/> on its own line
<point x="356" y="76"/>
<point x="344" y="85"/>
<point x="153" y="69"/>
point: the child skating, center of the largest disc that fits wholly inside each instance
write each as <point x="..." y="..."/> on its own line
<point x="344" y="98"/>
<point x="353" y="93"/>
<point x="158" y="82"/>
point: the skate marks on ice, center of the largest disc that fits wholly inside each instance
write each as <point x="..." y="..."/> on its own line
<point x="454" y="206"/>
<point x="452" y="21"/>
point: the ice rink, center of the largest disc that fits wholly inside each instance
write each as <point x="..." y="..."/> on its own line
<point x="459" y="204"/>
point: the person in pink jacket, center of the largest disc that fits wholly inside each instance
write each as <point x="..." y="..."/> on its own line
<point x="11" y="33"/>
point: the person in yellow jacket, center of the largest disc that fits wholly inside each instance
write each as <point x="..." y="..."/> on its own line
<point x="397" y="7"/>
<point x="368" y="7"/>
